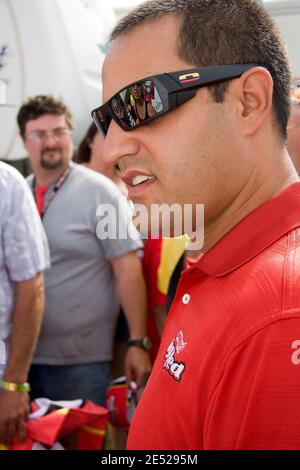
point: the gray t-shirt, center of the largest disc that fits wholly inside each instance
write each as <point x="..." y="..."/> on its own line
<point x="23" y="246"/>
<point x="81" y="299"/>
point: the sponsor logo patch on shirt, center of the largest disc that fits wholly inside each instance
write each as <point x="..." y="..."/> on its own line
<point x="174" y="367"/>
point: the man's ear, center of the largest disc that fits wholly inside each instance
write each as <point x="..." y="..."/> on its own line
<point x="255" y="92"/>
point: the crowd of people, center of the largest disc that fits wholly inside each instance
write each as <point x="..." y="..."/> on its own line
<point x="215" y="124"/>
<point x="84" y="340"/>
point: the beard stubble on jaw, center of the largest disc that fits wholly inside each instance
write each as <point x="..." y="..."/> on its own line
<point x="51" y="164"/>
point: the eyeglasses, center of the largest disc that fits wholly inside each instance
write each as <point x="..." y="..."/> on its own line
<point x="39" y="136"/>
<point x="161" y="94"/>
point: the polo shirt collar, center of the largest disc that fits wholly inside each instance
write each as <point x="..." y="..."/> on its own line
<point x="253" y="234"/>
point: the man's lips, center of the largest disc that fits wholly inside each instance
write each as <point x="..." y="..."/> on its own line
<point x="136" y="180"/>
<point x="51" y="151"/>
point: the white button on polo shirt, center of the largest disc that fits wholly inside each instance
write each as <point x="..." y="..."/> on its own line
<point x="186" y="298"/>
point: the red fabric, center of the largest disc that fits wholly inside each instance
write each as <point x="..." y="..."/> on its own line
<point x="40" y="192"/>
<point x="89" y="422"/>
<point x="151" y="260"/>
<point x="227" y="375"/>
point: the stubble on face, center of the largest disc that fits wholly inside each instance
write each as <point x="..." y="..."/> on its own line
<point x="46" y="155"/>
<point x="52" y="158"/>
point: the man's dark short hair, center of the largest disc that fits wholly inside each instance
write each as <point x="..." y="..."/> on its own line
<point x="37" y="106"/>
<point x="224" y="32"/>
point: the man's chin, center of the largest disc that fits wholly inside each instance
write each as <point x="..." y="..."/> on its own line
<point x="51" y="164"/>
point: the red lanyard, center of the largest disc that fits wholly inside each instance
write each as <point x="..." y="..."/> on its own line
<point x="54" y="190"/>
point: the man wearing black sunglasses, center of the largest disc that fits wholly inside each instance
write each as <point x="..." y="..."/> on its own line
<point x="227" y="374"/>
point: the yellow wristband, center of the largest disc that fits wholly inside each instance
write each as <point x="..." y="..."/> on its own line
<point x="13" y="387"/>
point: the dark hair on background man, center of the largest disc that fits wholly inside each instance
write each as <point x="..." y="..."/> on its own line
<point x="39" y="105"/>
<point x="224" y="32"/>
<point x="83" y="154"/>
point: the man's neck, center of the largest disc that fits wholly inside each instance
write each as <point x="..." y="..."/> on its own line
<point x="252" y="195"/>
<point x="46" y="177"/>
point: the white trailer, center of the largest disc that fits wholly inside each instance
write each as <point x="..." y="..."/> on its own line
<point x="50" y="47"/>
<point x="286" y="14"/>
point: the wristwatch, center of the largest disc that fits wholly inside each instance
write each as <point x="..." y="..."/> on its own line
<point x="143" y="343"/>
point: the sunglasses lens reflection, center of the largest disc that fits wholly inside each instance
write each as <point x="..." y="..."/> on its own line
<point x="132" y="107"/>
<point x="102" y="121"/>
<point x="136" y="104"/>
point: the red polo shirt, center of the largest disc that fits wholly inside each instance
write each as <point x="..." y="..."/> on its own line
<point x="227" y="375"/>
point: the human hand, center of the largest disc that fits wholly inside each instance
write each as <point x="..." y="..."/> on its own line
<point x="137" y="365"/>
<point x="14" y="412"/>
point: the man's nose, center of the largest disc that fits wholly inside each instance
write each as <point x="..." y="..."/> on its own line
<point x="119" y="143"/>
<point x="49" y="139"/>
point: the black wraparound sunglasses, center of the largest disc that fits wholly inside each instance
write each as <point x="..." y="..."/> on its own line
<point x="143" y="101"/>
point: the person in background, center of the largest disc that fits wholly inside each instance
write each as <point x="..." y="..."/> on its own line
<point x="89" y="276"/>
<point x="24" y="255"/>
<point x="156" y="299"/>
<point x="90" y="154"/>
<point x="171" y="265"/>
<point x="227" y="372"/>
<point x="141" y="107"/>
<point x="294" y="126"/>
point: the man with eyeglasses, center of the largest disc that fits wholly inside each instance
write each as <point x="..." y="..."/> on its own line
<point x="227" y="374"/>
<point x="90" y="273"/>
